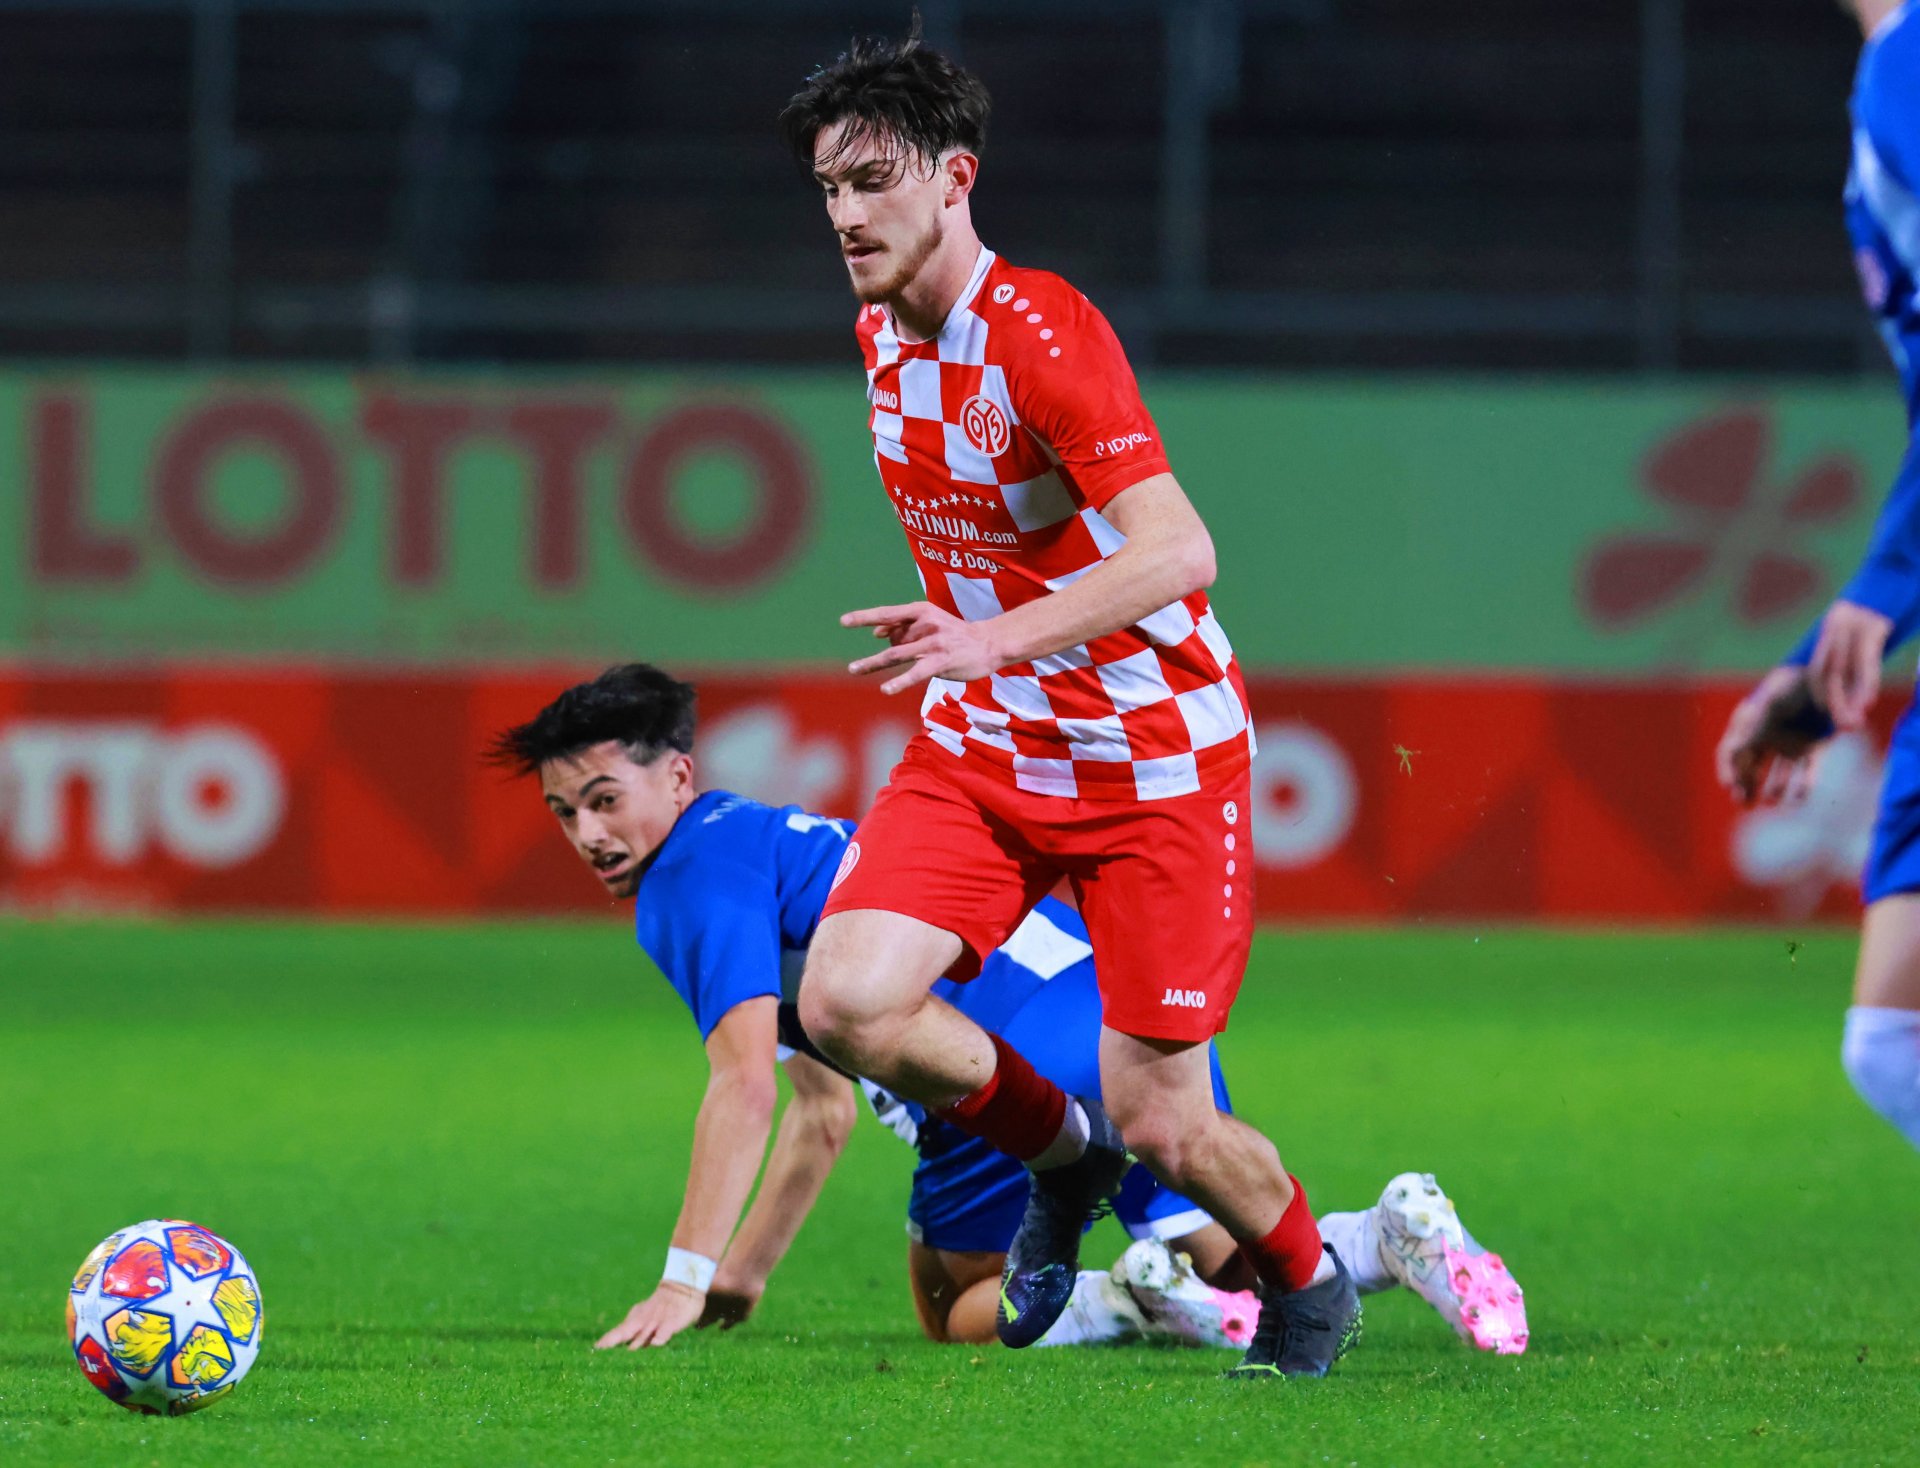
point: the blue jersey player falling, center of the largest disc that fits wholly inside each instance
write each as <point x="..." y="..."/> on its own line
<point x="727" y="894"/>
<point x="1829" y="682"/>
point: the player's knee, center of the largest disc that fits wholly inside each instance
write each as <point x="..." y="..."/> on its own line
<point x="839" y="1016"/>
<point x="1163" y="1145"/>
<point x="931" y="1315"/>
<point x="1161" y="1132"/>
<point x="836" y="1115"/>
<point x="829" y="1014"/>
<point x="1881" y="1053"/>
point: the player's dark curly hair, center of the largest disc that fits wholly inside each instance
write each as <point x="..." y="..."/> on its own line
<point x="635" y="705"/>
<point x="894" y="89"/>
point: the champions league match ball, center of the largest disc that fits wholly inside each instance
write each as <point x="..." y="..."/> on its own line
<point x="165" y="1317"/>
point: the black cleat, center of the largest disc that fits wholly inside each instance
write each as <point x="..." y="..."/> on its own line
<point x="1044" y="1261"/>
<point x="1304" y="1333"/>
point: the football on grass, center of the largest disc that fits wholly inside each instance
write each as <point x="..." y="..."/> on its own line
<point x="165" y="1317"/>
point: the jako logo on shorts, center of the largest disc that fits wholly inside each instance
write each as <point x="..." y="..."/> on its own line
<point x="1185" y="998"/>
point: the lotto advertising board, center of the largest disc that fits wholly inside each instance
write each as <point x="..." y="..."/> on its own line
<point x="252" y="631"/>
<point x="1383" y="528"/>
<point x="364" y="794"/>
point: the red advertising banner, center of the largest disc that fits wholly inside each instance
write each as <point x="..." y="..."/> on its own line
<point x="341" y="793"/>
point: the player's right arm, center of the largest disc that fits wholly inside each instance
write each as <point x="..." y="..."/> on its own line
<point x="1876" y="611"/>
<point x="1766" y="752"/>
<point x="729" y="1140"/>
<point x="1830" y="680"/>
<point x="1836" y="667"/>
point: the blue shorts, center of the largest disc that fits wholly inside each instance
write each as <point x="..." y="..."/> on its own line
<point x="1893" y="860"/>
<point x="969" y="1198"/>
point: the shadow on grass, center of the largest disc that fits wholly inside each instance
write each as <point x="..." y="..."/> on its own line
<point x="428" y="1333"/>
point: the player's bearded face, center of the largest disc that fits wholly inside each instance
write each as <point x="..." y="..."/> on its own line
<point x="615" y="813"/>
<point x="885" y="205"/>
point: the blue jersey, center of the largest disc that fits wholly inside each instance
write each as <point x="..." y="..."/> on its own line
<point x="1883" y="220"/>
<point x="729" y="903"/>
<point x="1883" y="190"/>
<point x="730" y="900"/>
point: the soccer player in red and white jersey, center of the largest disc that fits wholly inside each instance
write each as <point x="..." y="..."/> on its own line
<point x="1084" y="720"/>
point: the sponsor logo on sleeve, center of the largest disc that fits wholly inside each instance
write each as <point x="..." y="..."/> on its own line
<point x="1113" y="447"/>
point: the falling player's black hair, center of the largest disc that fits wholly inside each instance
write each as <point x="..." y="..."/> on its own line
<point x="635" y="705"/>
<point x="900" y="90"/>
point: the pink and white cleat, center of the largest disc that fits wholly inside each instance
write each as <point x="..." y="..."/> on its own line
<point x="1424" y="1247"/>
<point x="1180" y="1304"/>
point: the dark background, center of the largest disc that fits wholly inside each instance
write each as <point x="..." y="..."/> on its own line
<point x="1334" y="185"/>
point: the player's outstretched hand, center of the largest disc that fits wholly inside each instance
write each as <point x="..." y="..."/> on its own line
<point x="1845" y="667"/>
<point x="1772" y="737"/>
<point x="656" y="1320"/>
<point x="925" y="641"/>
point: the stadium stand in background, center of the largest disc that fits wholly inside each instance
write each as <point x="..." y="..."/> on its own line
<point x="1323" y="184"/>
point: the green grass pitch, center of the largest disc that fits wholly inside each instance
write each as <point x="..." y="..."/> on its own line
<point x="454" y="1155"/>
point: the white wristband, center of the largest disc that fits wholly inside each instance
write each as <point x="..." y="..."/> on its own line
<point x="684" y="1267"/>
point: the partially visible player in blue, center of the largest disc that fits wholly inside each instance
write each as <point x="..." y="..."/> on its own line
<point x="1830" y="681"/>
<point x="727" y="895"/>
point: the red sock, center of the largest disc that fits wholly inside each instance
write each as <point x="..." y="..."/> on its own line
<point x="1287" y="1257"/>
<point x="1018" y="1110"/>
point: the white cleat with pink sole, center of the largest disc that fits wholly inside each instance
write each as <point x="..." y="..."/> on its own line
<point x="1180" y="1304"/>
<point x="1425" y="1248"/>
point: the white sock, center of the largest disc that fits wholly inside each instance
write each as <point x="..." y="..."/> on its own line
<point x="1071" y="1144"/>
<point x="1099" y="1310"/>
<point x="1357" y="1239"/>
<point x="1881" y="1053"/>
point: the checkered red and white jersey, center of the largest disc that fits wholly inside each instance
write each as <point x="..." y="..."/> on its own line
<point x="999" y="443"/>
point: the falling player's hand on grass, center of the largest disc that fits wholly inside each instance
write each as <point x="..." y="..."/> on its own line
<point x="657" y="1319"/>
<point x="1845" y="668"/>
<point x="731" y="1300"/>
<point x="1772" y="740"/>
<point x="927" y="642"/>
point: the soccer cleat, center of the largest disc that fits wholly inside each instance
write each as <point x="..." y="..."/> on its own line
<point x="1101" y="1312"/>
<point x="1176" y="1302"/>
<point x="1424" y="1247"/>
<point x="1045" y="1258"/>
<point x="1305" y="1332"/>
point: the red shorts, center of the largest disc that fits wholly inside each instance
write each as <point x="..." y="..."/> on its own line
<point x="1165" y="886"/>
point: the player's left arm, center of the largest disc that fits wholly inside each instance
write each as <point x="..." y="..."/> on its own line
<point x="812" y="1133"/>
<point x="1168" y="555"/>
